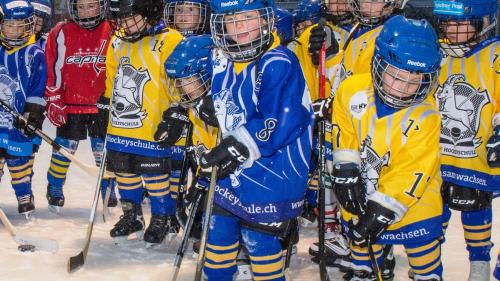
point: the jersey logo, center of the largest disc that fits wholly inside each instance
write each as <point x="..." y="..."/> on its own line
<point x="8" y="89"/>
<point x="128" y="92"/>
<point x="358" y="104"/>
<point x="228" y="113"/>
<point x="97" y="58"/>
<point x="371" y="165"/>
<point x="460" y="105"/>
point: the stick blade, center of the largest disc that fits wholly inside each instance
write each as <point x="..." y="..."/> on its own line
<point x="76" y="262"/>
<point x="40" y="244"/>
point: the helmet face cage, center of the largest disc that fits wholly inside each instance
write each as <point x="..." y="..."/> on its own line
<point x="373" y="12"/>
<point x="186" y="17"/>
<point x="245" y="35"/>
<point x="131" y="28"/>
<point x="458" y="37"/>
<point x="41" y="22"/>
<point x="400" y="88"/>
<point x="339" y="11"/>
<point x="16" y="32"/>
<point x="186" y="91"/>
<point x="87" y="13"/>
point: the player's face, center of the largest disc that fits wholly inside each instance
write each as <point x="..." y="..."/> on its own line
<point x="191" y="87"/>
<point x="13" y="29"/>
<point x="244" y="27"/>
<point x="400" y="83"/>
<point x="186" y="16"/>
<point x="132" y="24"/>
<point x="88" y="9"/>
<point x="38" y="24"/>
<point x="372" y="8"/>
<point x="301" y="26"/>
<point x="339" y="7"/>
<point x="459" y="31"/>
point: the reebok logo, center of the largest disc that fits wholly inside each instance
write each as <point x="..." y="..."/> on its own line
<point x="230" y="3"/>
<point x="416" y="63"/>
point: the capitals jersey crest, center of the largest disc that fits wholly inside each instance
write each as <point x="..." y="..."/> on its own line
<point x="8" y="89"/>
<point x="371" y="164"/>
<point x="128" y="92"/>
<point x="460" y="105"/>
<point x="229" y="114"/>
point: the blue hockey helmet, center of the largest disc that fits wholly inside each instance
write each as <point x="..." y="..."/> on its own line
<point x="189" y="17"/>
<point x="307" y="10"/>
<point x="462" y="24"/>
<point x="43" y="14"/>
<point x="87" y="14"/>
<point x="374" y="12"/>
<point x="406" y="62"/>
<point x="17" y="22"/>
<point x="189" y="70"/>
<point x="284" y="25"/>
<point x="242" y="29"/>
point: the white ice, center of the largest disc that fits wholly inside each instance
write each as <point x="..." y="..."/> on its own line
<point x="107" y="261"/>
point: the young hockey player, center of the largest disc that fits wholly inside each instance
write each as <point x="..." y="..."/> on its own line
<point x="469" y="103"/>
<point x="23" y="77"/>
<point x="43" y="13"/>
<point x="188" y="17"/>
<point x="136" y="86"/>
<point x="260" y="102"/>
<point x="76" y="56"/>
<point x="306" y="14"/>
<point x="386" y="151"/>
<point x="352" y="59"/>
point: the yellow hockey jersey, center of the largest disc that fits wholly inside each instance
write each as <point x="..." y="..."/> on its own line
<point x="469" y="97"/>
<point x="399" y="155"/>
<point x="136" y="85"/>
<point x="204" y="137"/>
<point x="301" y="50"/>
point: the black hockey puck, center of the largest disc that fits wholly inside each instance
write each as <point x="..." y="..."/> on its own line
<point x="26" y="248"/>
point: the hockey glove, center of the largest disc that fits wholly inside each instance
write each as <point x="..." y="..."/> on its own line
<point x="371" y="224"/>
<point x="349" y="187"/>
<point x="34" y="115"/>
<point x="103" y="107"/>
<point x="206" y="111"/>
<point x="323" y="108"/>
<point x="493" y="148"/>
<point x="169" y="131"/>
<point x="56" y="109"/>
<point x="228" y="156"/>
<point x="316" y="38"/>
<point x="200" y="186"/>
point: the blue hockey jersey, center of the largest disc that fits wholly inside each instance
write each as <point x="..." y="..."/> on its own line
<point x="265" y="105"/>
<point x="23" y="75"/>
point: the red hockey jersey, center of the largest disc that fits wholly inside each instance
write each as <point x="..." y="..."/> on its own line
<point x="76" y="63"/>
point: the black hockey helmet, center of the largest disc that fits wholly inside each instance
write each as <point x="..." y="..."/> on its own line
<point x="134" y="18"/>
<point x="91" y="14"/>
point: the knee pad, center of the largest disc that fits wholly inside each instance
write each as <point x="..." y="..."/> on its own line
<point x="465" y="199"/>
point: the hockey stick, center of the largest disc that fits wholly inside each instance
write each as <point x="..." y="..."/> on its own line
<point x="107" y="194"/>
<point x="180" y="214"/>
<point x="322" y="164"/>
<point x="78" y="261"/>
<point x="373" y="260"/>
<point x="27" y="243"/>
<point x="185" y="237"/>
<point x="89" y="169"/>
<point x="206" y="221"/>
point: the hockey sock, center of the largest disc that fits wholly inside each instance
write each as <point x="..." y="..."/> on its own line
<point x="20" y="172"/>
<point x="130" y="187"/>
<point x="477" y="233"/>
<point x="158" y="186"/>
<point x="59" y="164"/>
<point x="361" y="260"/>
<point x="222" y="248"/>
<point x="425" y="259"/>
<point x="446" y="219"/>
<point x="266" y="257"/>
<point x="174" y="183"/>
